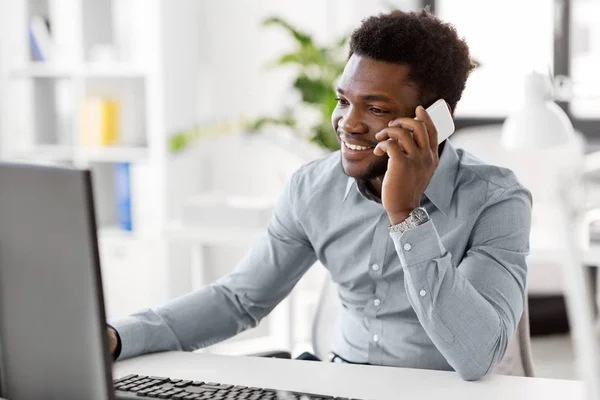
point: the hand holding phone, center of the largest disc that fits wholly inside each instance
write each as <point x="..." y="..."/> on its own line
<point x="439" y="113"/>
<point x="412" y="148"/>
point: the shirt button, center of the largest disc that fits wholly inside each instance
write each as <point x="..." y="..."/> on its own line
<point x="376" y="338"/>
<point x="407" y="247"/>
<point x="375" y="267"/>
<point x="377" y="302"/>
<point x="422" y="292"/>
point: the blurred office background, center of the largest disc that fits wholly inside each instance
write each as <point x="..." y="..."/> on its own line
<point x="193" y="113"/>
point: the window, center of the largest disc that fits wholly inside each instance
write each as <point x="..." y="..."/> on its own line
<point x="585" y="58"/>
<point x="508" y="38"/>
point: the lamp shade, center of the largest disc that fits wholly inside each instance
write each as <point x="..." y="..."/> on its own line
<point x="540" y="122"/>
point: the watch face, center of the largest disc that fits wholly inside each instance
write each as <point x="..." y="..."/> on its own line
<point x="420" y="215"/>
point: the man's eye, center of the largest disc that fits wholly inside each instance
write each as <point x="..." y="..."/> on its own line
<point x="341" y="102"/>
<point x="378" y="110"/>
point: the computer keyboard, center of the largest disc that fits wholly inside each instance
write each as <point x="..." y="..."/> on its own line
<point x="140" y="386"/>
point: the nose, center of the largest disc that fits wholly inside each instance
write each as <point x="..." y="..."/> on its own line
<point x="351" y="122"/>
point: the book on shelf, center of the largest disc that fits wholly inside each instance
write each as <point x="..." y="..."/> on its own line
<point x="123" y="196"/>
<point x="135" y="206"/>
<point x="100" y="121"/>
<point x="40" y="38"/>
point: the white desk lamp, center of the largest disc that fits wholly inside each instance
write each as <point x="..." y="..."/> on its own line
<point x="540" y="124"/>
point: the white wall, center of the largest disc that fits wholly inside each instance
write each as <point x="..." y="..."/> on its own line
<point x="233" y="79"/>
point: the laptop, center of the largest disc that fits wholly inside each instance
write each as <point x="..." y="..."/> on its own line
<point x="53" y="341"/>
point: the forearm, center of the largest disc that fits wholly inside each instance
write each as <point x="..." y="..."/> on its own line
<point x="238" y="301"/>
<point x="193" y="321"/>
<point x="469" y="328"/>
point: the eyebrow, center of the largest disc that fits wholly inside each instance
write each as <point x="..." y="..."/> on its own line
<point x="371" y="97"/>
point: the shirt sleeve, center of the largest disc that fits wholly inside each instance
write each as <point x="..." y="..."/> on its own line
<point x="232" y="304"/>
<point x="471" y="310"/>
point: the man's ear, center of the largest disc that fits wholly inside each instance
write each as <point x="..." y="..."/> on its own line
<point x="449" y="108"/>
<point x="428" y="98"/>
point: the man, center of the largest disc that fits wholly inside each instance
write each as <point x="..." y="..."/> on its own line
<point x="426" y="243"/>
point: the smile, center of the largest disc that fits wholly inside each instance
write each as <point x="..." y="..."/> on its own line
<point x="355" y="147"/>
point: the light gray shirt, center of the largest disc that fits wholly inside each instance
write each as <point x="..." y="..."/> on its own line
<point x="445" y="295"/>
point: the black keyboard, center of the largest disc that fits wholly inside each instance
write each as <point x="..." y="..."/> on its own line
<point x="140" y="386"/>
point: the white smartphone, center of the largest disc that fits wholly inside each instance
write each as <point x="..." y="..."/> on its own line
<point x="442" y="119"/>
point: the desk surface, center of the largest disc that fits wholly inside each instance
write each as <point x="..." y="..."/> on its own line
<point x="359" y="381"/>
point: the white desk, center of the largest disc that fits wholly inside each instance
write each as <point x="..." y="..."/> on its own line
<point x="358" y="381"/>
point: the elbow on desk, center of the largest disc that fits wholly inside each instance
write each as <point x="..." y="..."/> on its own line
<point x="483" y="362"/>
<point x="476" y="368"/>
<point x="472" y="374"/>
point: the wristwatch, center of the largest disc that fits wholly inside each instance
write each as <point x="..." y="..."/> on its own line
<point x="417" y="217"/>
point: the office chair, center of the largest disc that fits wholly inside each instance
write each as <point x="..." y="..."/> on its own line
<point x="517" y="360"/>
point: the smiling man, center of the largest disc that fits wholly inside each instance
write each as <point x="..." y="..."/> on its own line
<point x="426" y="244"/>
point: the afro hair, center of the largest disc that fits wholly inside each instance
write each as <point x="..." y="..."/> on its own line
<point x="438" y="59"/>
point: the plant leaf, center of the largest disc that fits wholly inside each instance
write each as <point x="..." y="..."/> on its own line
<point x="341" y="43"/>
<point x="313" y="91"/>
<point x="286" y="120"/>
<point x="320" y="67"/>
<point x="305" y="56"/>
<point x="326" y="137"/>
<point x="301" y="37"/>
<point x="389" y="5"/>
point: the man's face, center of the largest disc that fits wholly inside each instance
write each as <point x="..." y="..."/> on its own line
<point x="370" y="94"/>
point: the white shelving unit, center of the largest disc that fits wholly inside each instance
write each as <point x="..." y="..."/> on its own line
<point x="155" y="66"/>
<point x="115" y="154"/>
<point x="155" y="77"/>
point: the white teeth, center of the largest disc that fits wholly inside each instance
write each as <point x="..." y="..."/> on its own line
<point x="355" y="147"/>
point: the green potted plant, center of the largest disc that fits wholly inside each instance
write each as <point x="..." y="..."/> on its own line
<point x="318" y="66"/>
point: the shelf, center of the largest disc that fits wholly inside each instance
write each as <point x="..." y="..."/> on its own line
<point x="114" y="154"/>
<point x="100" y="154"/>
<point x="114" y="232"/>
<point x="115" y="70"/>
<point x="104" y="70"/>
<point x="43" y="70"/>
<point x="47" y="152"/>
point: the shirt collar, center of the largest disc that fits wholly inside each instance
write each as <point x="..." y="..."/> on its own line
<point x="362" y="189"/>
<point x="441" y="186"/>
<point x="349" y="185"/>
